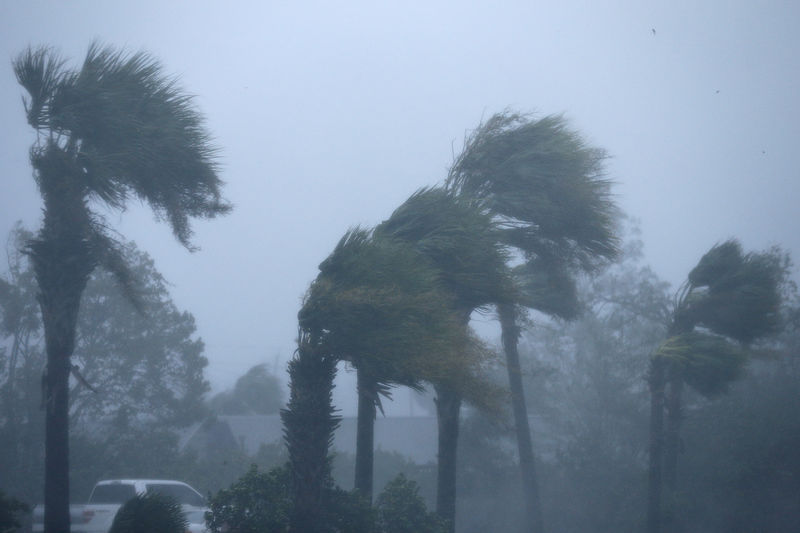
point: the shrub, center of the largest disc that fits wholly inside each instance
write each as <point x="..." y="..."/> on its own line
<point x="10" y="509"/>
<point x="150" y="513"/>
<point x="348" y="512"/>
<point x="258" y="502"/>
<point x="400" y="509"/>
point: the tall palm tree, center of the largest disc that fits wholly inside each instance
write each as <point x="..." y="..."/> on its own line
<point x="461" y="242"/>
<point x="114" y="129"/>
<point x="546" y="189"/>
<point x="376" y="305"/>
<point x="309" y="422"/>
<point x="729" y="300"/>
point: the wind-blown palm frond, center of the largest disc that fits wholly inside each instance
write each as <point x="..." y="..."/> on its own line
<point x="375" y="303"/>
<point x="39" y="71"/>
<point x="547" y="287"/>
<point x="545" y="184"/>
<point x="734" y="294"/>
<point x="708" y="363"/>
<point x="131" y="131"/>
<point x="109" y="254"/>
<point x="460" y="240"/>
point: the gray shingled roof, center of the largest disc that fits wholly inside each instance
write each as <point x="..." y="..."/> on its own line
<point x="413" y="437"/>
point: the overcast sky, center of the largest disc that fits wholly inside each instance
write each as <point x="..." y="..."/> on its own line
<point x="330" y="114"/>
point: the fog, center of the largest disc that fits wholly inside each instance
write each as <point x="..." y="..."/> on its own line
<point x="329" y="116"/>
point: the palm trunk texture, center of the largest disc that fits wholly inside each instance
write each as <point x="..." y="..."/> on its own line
<point x="657" y="381"/>
<point x="59" y="303"/>
<point x="365" y="436"/>
<point x="510" y="338"/>
<point x="448" y="408"/>
<point x="672" y="446"/>
<point x="62" y="263"/>
<point x="308" y="424"/>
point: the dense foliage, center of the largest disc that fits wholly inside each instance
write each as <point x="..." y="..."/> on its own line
<point x="11" y="513"/>
<point x="261" y="502"/>
<point x="149" y="513"/>
<point x="258" y="502"/>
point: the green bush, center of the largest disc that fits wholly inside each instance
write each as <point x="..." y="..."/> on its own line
<point x="258" y="502"/>
<point x="349" y="512"/>
<point x="150" y="513"/>
<point x="10" y="509"/>
<point x="400" y="509"/>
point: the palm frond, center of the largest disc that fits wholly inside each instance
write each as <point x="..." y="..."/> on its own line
<point x="461" y="241"/>
<point x="736" y="294"/>
<point x="548" y="287"/>
<point x="132" y="131"/>
<point x="545" y="182"/>
<point x="708" y="363"/>
<point x="39" y="71"/>
<point x="109" y="254"/>
<point x="720" y="262"/>
<point x="376" y="304"/>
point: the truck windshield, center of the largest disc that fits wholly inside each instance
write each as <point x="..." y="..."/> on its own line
<point x="112" y="493"/>
<point x="181" y="493"/>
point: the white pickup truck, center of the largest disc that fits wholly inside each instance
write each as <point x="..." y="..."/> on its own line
<point x="108" y="496"/>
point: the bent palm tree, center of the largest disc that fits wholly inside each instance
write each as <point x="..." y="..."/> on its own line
<point x="376" y="305"/>
<point x="546" y="190"/>
<point x="116" y="128"/>
<point x="733" y="298"/>
<point x="461" y="242"/>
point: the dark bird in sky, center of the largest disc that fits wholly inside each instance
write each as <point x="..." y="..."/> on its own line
<point x="717" y="91"/>
<point x="653" y="30"/>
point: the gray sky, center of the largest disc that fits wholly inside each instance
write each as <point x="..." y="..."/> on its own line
<point x="330" y="115"/>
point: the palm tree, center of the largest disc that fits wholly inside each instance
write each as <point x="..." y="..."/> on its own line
<point x="309" y="422"/>
<point x="114" y="129"/>
<point x="461" y="242"/>
<point x="729" y="300"/>
<point x="376" y="305"/>
<point x="546" y="190"/>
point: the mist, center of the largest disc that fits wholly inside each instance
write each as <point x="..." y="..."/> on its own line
<point x="325" y="118"/>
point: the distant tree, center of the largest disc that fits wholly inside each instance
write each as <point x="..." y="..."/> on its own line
<point x="21" y="420"/>
<point x="546" y="189"/>
<point x="729" y="300"/>
<point x="258" y="392"/>
<point x="585" y="384"/>
<point x="114" y="129"/>
<point x="135" y="374"/>
<point x="401" y="510"/>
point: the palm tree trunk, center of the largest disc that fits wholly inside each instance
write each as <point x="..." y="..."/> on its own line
<point x="448" y="408"/>
<point x="56" y="467"/>
<point x="62" y="263"/>
<point x="510" y="338"/>
<point x="59" y="298"/>
<point x="672" y="444"/>
<point x="365" y="435"/>
<point x="657" y="380"/>
<point x="308" y="426"/>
